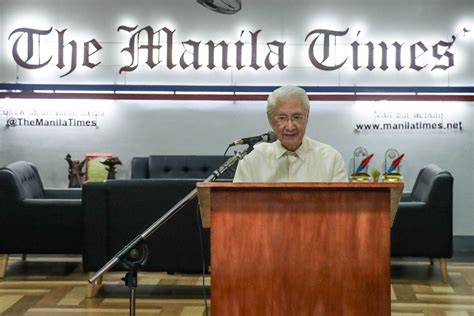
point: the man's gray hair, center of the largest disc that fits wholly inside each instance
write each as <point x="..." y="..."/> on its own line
<point x="284" y="93"/>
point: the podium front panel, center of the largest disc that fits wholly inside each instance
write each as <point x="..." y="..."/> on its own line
<point x="300" y="250"/>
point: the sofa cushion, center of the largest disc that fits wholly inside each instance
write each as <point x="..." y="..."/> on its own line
<point x="139" y="168"/>
<point x="183" y="167"/>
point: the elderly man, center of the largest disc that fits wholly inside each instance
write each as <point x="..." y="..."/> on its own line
<point x="293" y="157"/>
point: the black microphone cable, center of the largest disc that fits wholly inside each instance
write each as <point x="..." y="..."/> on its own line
<point x="203" y="260"/>
<point x="225" y="152"/>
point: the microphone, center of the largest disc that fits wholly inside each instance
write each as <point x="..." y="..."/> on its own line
<point x="268" y="137"/>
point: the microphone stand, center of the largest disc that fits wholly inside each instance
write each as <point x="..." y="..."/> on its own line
<point x="135" y="253"/>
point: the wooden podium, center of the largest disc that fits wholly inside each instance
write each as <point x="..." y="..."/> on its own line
<point x="299" y="248"/>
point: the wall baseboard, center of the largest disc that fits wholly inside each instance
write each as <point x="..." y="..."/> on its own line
<point x="463" y="244"/>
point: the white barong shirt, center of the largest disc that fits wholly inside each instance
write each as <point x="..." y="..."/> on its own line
<point x="313" y="161"/>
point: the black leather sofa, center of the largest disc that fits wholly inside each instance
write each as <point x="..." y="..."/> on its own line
<point x="178" y="167"/>
<point x="423" y="226"/>
<point x="116" y="211"/>
<point x="34" y="219"/>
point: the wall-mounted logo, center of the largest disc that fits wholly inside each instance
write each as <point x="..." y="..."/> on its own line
<point x="148" y="46"/>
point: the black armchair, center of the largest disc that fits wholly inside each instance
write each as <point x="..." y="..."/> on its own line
<point x="35" y="220"/>
<point x="423" y="226"/>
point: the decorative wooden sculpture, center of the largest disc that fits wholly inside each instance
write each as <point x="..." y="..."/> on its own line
<point x="75" y="174"/>
<point x="111" y="163"/>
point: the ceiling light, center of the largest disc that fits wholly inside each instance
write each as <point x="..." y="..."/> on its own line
<point x="222" y="6"/>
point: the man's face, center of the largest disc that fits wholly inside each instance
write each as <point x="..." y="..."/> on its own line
<point x="289" y="122"/>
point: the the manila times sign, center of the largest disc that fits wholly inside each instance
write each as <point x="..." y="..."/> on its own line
<point x="163" y="51"/>
<point x="157" y="50"/>
<point x="179" y="42"/>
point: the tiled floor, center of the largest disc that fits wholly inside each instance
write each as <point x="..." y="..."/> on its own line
<point x="56" y="286"/>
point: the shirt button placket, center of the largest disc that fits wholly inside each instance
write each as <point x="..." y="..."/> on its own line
<point x="291" y="160"/>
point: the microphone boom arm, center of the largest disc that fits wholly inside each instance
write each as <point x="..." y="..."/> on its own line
<point x="165" y="217"/>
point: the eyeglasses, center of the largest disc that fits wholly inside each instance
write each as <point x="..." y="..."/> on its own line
<point x="295" y="118"/>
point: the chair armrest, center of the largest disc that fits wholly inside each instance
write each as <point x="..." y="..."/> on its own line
<point x="71" y="193"/>
<point x="406" y="197"/>
<point x="411" y="206"/>
<point x="43" y="204"/>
